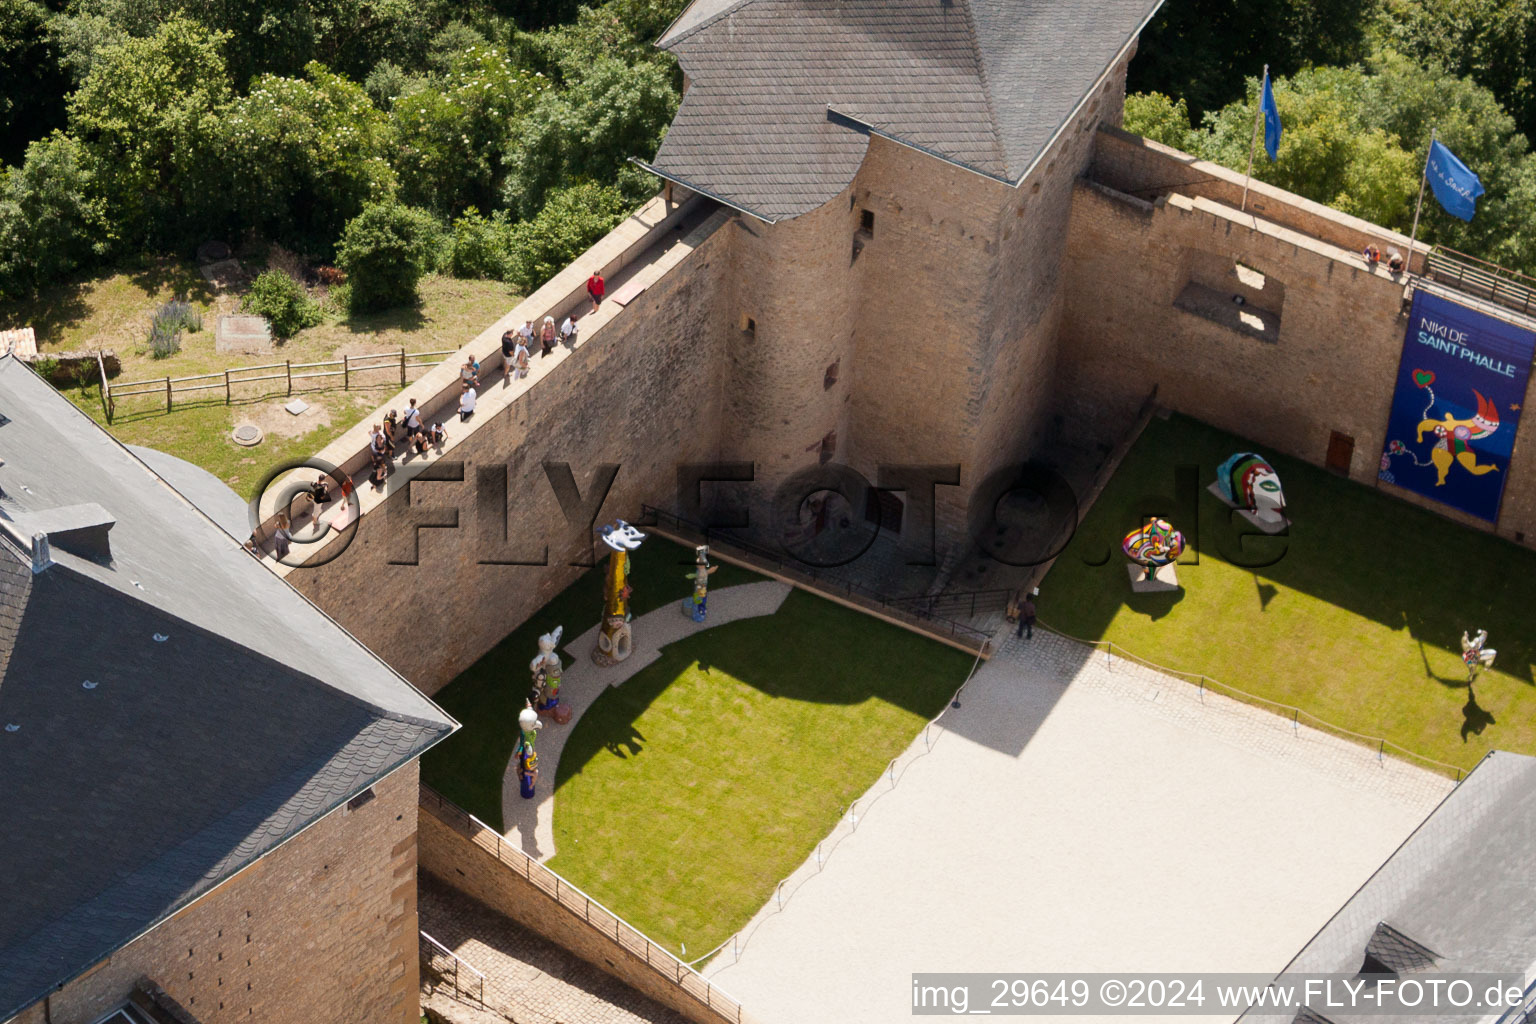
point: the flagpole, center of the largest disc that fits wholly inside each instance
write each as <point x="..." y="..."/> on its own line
<point x="1258" y="113"/>
<point x="1423" y="181"/>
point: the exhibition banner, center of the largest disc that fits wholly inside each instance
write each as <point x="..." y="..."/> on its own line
<point x="1460" y="386"/>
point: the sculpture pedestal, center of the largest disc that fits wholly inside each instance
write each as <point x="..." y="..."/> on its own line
<point x="1269" y="526"/>
<point x="1164" y="579"/>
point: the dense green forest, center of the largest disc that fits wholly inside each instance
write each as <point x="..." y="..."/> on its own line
<point x="1359" y="84"/>
<point x="489" y="138"/>
<point x="486" y="138"/>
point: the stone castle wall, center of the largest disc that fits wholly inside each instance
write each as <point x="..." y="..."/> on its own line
<point x="1149" y="303"/>
<point x="642" y="393"/>
<point x="323" y="928"/>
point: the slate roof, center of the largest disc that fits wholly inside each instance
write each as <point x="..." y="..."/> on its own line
<point x="784" y="93"/>
<point x="1456" y="897"/>
<point x="179" y="711"/>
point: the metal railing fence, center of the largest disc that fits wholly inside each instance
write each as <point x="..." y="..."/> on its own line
<point x="911" y="611"/>
<point x="448" y="970"/>
<point x="582" y="906"/>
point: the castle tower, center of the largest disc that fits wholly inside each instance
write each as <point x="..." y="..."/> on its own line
<point x="904" y="172"/>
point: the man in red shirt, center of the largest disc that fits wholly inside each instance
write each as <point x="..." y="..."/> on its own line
<point x="595" y="289"/>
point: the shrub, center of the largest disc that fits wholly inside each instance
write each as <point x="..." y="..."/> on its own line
<point x="284" y="303"/>
<point x="572" y="219"/>
<point x="480" y="246"/>
<point x="164" y="338"/>
<point x="181" y="314"/>
<point x="46" y="367"/>
<point x="384" y="251"/>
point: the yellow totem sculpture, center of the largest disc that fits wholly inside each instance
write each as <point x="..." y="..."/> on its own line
<point x="614" y="642"/>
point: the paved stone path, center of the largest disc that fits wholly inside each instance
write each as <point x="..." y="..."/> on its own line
<point x="1075" y="814"/>
<point x="528" y="980"/>
<point x="530" y="823"/>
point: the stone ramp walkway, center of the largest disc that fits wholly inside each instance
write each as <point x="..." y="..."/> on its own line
<point x="528" y="979"/>
<point x="530" y="823"/>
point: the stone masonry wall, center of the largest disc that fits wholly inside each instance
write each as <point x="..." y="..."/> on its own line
<point x="477" y="871"/>
<point x="642" y="393"/>
<point x="321" y="929"/>
<point x="1331" y="364"/>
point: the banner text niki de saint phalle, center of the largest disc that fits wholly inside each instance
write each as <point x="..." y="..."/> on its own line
<point x="1457" y="403"/>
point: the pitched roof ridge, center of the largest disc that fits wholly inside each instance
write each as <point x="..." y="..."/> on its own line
<point x="728" y="9"/>
<point x="986" y="87"/>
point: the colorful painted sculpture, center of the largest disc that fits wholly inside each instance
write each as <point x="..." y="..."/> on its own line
<point x="1476" y="655"/>
<point x="614" y="642"/>
<point x="1247" y="481"/>
<point x="546" y="669"/>
<point x="695" y="605"/>
<point x="527" y="761"/>
<point x="1153" y="546"/>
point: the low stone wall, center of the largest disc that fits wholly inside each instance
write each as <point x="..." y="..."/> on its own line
<point x="460" y="851"/>
<point x="67" y="367"/>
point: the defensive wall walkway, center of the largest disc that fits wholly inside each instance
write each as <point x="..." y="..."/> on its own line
<point x="632" y="257"/>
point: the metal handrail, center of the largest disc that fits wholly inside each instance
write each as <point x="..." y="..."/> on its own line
<point x="1206" y="682"/>
<point x="755" y="554"/>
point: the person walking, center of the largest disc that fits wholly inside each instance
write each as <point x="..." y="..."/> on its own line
<point x="547" y="336"/>
<point x="466" y="403"/>
<point x="412" y="420"/>
<point x="596" y="288"/>
<point x="568" y="332"/>
<point x="1027" y="618"/>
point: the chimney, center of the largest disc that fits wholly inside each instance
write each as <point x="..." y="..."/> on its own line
<point x="42" y="557"/>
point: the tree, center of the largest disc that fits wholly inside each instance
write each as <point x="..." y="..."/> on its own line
<point x="50" y="224"/>
<point x="304" y="156"/>
<point x="1491" y="41"/>
<point x="144" y="115"/>
<point x="1356" y="139"/>
<point x="32" y="96"/>
<point x="385" y="250"/>
<point x="453" y="135"/>
<point x="588" y="131"/>
<point x="1202" y="51"/>
<point x="572" y="220"/>
<point x="1159" y="118"/>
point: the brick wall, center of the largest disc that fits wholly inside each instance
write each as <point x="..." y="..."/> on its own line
<point x="476" y="869"/>
<point x="321" y="929"/>
<point x="643" y="392"/>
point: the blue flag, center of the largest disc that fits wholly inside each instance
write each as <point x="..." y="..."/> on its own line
<point x="1271" y="120"/>
<point x="1455" y="186"/>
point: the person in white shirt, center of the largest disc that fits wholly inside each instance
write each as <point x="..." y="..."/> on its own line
<point x="466" y="403"/>
<point x="568" y="331"/>
<point x="520" y="359"/>
<point x="412" y="419"/>
<point x="526" y="332"/>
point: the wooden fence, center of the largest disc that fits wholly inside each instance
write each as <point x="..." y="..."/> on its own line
<point x="226" y="380"/>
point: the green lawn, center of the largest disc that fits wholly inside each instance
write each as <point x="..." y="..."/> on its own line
<point x="112" y="311"/>
<point x="467" y="767"/>
<point x="1357" y="621"/>
<point x="684" y="795"/>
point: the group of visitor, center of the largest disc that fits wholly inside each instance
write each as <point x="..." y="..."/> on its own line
<point x="515" y="349"/>
<point x="385" y="438"/>
<point x="1372" y="256"/>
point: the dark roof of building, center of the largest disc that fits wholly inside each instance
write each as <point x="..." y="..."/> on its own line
<point x="784" y="93"/>
<point x="170" y="710"/>
<point x="1456" y="897"/>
